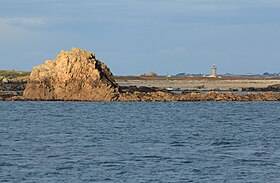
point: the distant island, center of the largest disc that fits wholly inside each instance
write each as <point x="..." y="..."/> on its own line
<point x="79" y="76"/>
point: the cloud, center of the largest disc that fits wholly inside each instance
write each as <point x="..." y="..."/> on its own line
<point x="22" y="22"/>
<point x="60" y="13"/>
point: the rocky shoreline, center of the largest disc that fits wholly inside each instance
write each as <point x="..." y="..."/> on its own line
<point x="161" y="96"/>
<point x="79" y="76"/>
<point x="146" y="94"/>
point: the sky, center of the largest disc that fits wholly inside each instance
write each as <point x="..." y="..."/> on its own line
<point x="133" y="37"/>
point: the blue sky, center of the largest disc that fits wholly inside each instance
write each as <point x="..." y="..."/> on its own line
<point x="136" y="36"/>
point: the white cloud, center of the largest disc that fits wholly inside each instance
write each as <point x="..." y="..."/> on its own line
<point x="22" y="21"/>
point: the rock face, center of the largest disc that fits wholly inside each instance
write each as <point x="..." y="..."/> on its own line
<point x="75" y="75"/>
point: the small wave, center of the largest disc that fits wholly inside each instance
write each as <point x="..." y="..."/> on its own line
<point x="53" y="156"/>
<point x="221" y="143"/>
<point x="121" y="173"/>
<point x="151" y="157"/>
<point x="88" y="146"/>
<point x="6" y="164"/>
<point x="110" y="164"/>
<point x="52" y="173"/>
<point x="64" y="168"/>
<point x="177" y="144"/>
<point x="251" y="161"/>
<point x="259" y="154"/>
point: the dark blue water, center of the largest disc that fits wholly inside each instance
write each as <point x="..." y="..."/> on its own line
<point x="139" y="142"/>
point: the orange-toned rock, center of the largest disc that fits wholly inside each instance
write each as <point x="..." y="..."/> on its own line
<point x="158" y="96"/>
<point x="74" y="75"/>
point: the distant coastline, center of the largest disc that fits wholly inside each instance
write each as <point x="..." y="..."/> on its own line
<point x="79" y="76"/>
<point x="195" y="88"/>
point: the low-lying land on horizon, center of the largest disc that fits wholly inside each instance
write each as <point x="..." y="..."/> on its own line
<point x="174" y="82"/>
<point x="177" y="83"/>
<point x="197" y="83"/>
<point x="14" y="75"/>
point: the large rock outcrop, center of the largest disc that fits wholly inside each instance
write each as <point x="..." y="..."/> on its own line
<point x="74" y="75"/>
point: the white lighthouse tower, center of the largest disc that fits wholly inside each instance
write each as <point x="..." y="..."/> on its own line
<point x="214" y="71"/>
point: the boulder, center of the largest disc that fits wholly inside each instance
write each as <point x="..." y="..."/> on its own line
<point x="75" y="75"/>
<point x="275" y="87"/>
<point x="5" y="80"/>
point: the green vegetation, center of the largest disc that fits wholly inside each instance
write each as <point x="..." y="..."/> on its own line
<point x="13" y="73"/>
<point x="151" y="74"/>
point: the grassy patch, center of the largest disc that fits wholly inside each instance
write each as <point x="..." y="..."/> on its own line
<point x="13" y="74"/>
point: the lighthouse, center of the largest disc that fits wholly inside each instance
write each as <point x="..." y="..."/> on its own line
<point x="214" y="71"/>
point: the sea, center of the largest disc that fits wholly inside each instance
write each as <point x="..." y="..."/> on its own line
<point x="140" y="142"/>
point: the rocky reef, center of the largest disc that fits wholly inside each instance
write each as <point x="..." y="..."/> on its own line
<point x="193" y="96"/>
<point x="272" y="88"/>
<point x="74" y="75"/>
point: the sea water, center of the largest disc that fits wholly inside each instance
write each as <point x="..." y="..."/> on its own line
<point x="139" y="142"/>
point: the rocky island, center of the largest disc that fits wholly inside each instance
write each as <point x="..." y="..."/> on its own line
<point x="79" y="76"/>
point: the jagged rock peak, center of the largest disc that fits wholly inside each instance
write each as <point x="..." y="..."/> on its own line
<point x="76" y="52"/>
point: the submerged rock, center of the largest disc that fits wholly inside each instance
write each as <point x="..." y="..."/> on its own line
<point x="74" y="75"/>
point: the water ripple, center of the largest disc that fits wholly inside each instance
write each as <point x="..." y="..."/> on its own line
<point x="139" y="142"/>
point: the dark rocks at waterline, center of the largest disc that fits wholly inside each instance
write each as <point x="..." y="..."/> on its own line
<point x="193" y="96"/>
<point x="191" y="91"/>
<point x="233" y="90"/>
<point x="205" y="91"/>
<point x="273" y="88"/>
<point x="252" y="89"/>
<point x="13" y="86"/>
<point x="10" y="96"/>
<point x="145" y="89"/>
<point x="12" y="90"/>
<point x="160" y="96"/>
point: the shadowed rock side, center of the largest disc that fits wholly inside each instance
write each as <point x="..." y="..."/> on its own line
<point x="74" y="75"/>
